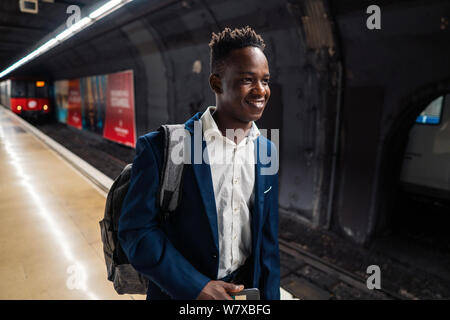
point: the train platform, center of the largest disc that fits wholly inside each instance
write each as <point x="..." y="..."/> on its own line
<point x="51" y="240"/>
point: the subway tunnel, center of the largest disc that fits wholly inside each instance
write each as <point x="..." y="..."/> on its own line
<point x="357" y="169"/>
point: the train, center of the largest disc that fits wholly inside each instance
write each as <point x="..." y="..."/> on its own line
<point x="425" y="169"/>
<point x="27" y="97"/>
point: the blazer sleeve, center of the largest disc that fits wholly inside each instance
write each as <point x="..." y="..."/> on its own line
<point x="147" y="247"/>
<point x="270" y="255"/>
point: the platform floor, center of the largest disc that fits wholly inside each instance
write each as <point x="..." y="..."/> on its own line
<point x="50" y="246"/>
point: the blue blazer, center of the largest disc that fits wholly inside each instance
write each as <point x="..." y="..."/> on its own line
<point x="180" y="256"/>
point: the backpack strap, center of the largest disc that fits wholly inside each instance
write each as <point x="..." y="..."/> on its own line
<point x="171" y="173"/>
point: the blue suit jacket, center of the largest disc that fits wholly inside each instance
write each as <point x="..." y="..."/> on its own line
<point x="181" y="255"/>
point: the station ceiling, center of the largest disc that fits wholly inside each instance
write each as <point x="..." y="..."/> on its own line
<point x="19" y="31"/>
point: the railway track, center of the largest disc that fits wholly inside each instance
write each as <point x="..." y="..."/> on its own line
<point x="352" y="279"/>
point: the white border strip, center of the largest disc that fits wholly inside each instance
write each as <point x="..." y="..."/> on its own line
<point x="87" y="170"/>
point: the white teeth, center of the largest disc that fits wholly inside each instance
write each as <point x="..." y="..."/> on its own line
<point x="258" y="103"/>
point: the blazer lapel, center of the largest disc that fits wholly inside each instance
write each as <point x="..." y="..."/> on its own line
<point x="259" y="197"/>
<point x="202" y="172"/>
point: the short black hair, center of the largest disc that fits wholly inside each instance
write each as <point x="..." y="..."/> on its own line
<point x="224" y="42"/>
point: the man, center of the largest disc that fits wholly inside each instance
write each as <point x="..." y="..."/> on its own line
<point x="224" y="234"/>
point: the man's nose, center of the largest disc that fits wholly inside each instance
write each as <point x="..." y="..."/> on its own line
<point x="259" y="88"/>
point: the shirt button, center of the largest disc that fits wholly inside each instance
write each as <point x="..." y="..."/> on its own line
<point x="236" y="181"/>
<point x="236" y="209"/>
<point x="214" y="256"/>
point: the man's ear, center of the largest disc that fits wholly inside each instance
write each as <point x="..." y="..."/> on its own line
<point x="215" y="83"/>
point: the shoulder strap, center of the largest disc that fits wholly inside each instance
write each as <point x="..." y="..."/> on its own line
<point x="171" y="173"/>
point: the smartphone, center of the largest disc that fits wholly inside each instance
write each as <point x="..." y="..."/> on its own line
<point x="247" y="294"/>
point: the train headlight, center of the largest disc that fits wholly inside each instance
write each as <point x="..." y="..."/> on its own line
<point x="45" y="107"/>
<point x="19" y="108"/>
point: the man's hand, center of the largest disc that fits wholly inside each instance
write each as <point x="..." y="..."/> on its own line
<point x="218" y="290"/>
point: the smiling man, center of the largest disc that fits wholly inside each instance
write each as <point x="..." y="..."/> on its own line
<point x="223" y="236"/>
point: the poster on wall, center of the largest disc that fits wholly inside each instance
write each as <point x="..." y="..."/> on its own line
<point x="61" y="100"/>
<point x="119" y="118"/>
<point x="74" y="104"/>
<point x="93" y="93"/>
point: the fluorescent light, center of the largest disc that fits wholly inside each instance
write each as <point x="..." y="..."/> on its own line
<point x="77" y="26"/>
<point x="30" y="56"/>
<point x="94" y="16"/>
<point x="47" y="45"/>
<point x="63" y="34"/>
<point x="80" y="24"/>
<point x="106" y="7"/>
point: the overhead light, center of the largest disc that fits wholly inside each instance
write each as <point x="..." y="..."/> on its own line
<point x="73" y="29"/>
<point x="63" y="35"/>
<point x="80" y="24"/>
<point x="94" y="16"/>
<point x="29" y="6"/>
<point x="47" y="45"/>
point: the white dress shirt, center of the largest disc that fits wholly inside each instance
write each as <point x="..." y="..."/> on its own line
<point x="233" y="176"/>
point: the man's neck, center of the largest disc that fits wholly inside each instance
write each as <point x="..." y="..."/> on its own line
<point x="225" y="122"/>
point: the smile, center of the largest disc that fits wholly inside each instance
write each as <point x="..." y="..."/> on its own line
<point x="256" y="103"/>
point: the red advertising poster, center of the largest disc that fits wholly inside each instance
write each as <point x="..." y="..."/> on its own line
<point x="119" y="118"/>
<point x="74" y="104"/>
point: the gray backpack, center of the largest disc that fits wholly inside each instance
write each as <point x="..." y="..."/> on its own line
<point x="125" y="278"/>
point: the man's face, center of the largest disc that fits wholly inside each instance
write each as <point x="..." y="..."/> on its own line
<point x="244" y="84"/>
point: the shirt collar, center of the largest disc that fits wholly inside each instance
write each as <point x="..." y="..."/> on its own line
<point x="210" y="127"/>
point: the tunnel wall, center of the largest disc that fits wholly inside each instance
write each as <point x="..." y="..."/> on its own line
<point x="391" y="74"/>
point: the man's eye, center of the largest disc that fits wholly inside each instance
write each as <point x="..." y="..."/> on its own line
<point x="246" y="80"/>
<point x="266" y="81"/>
